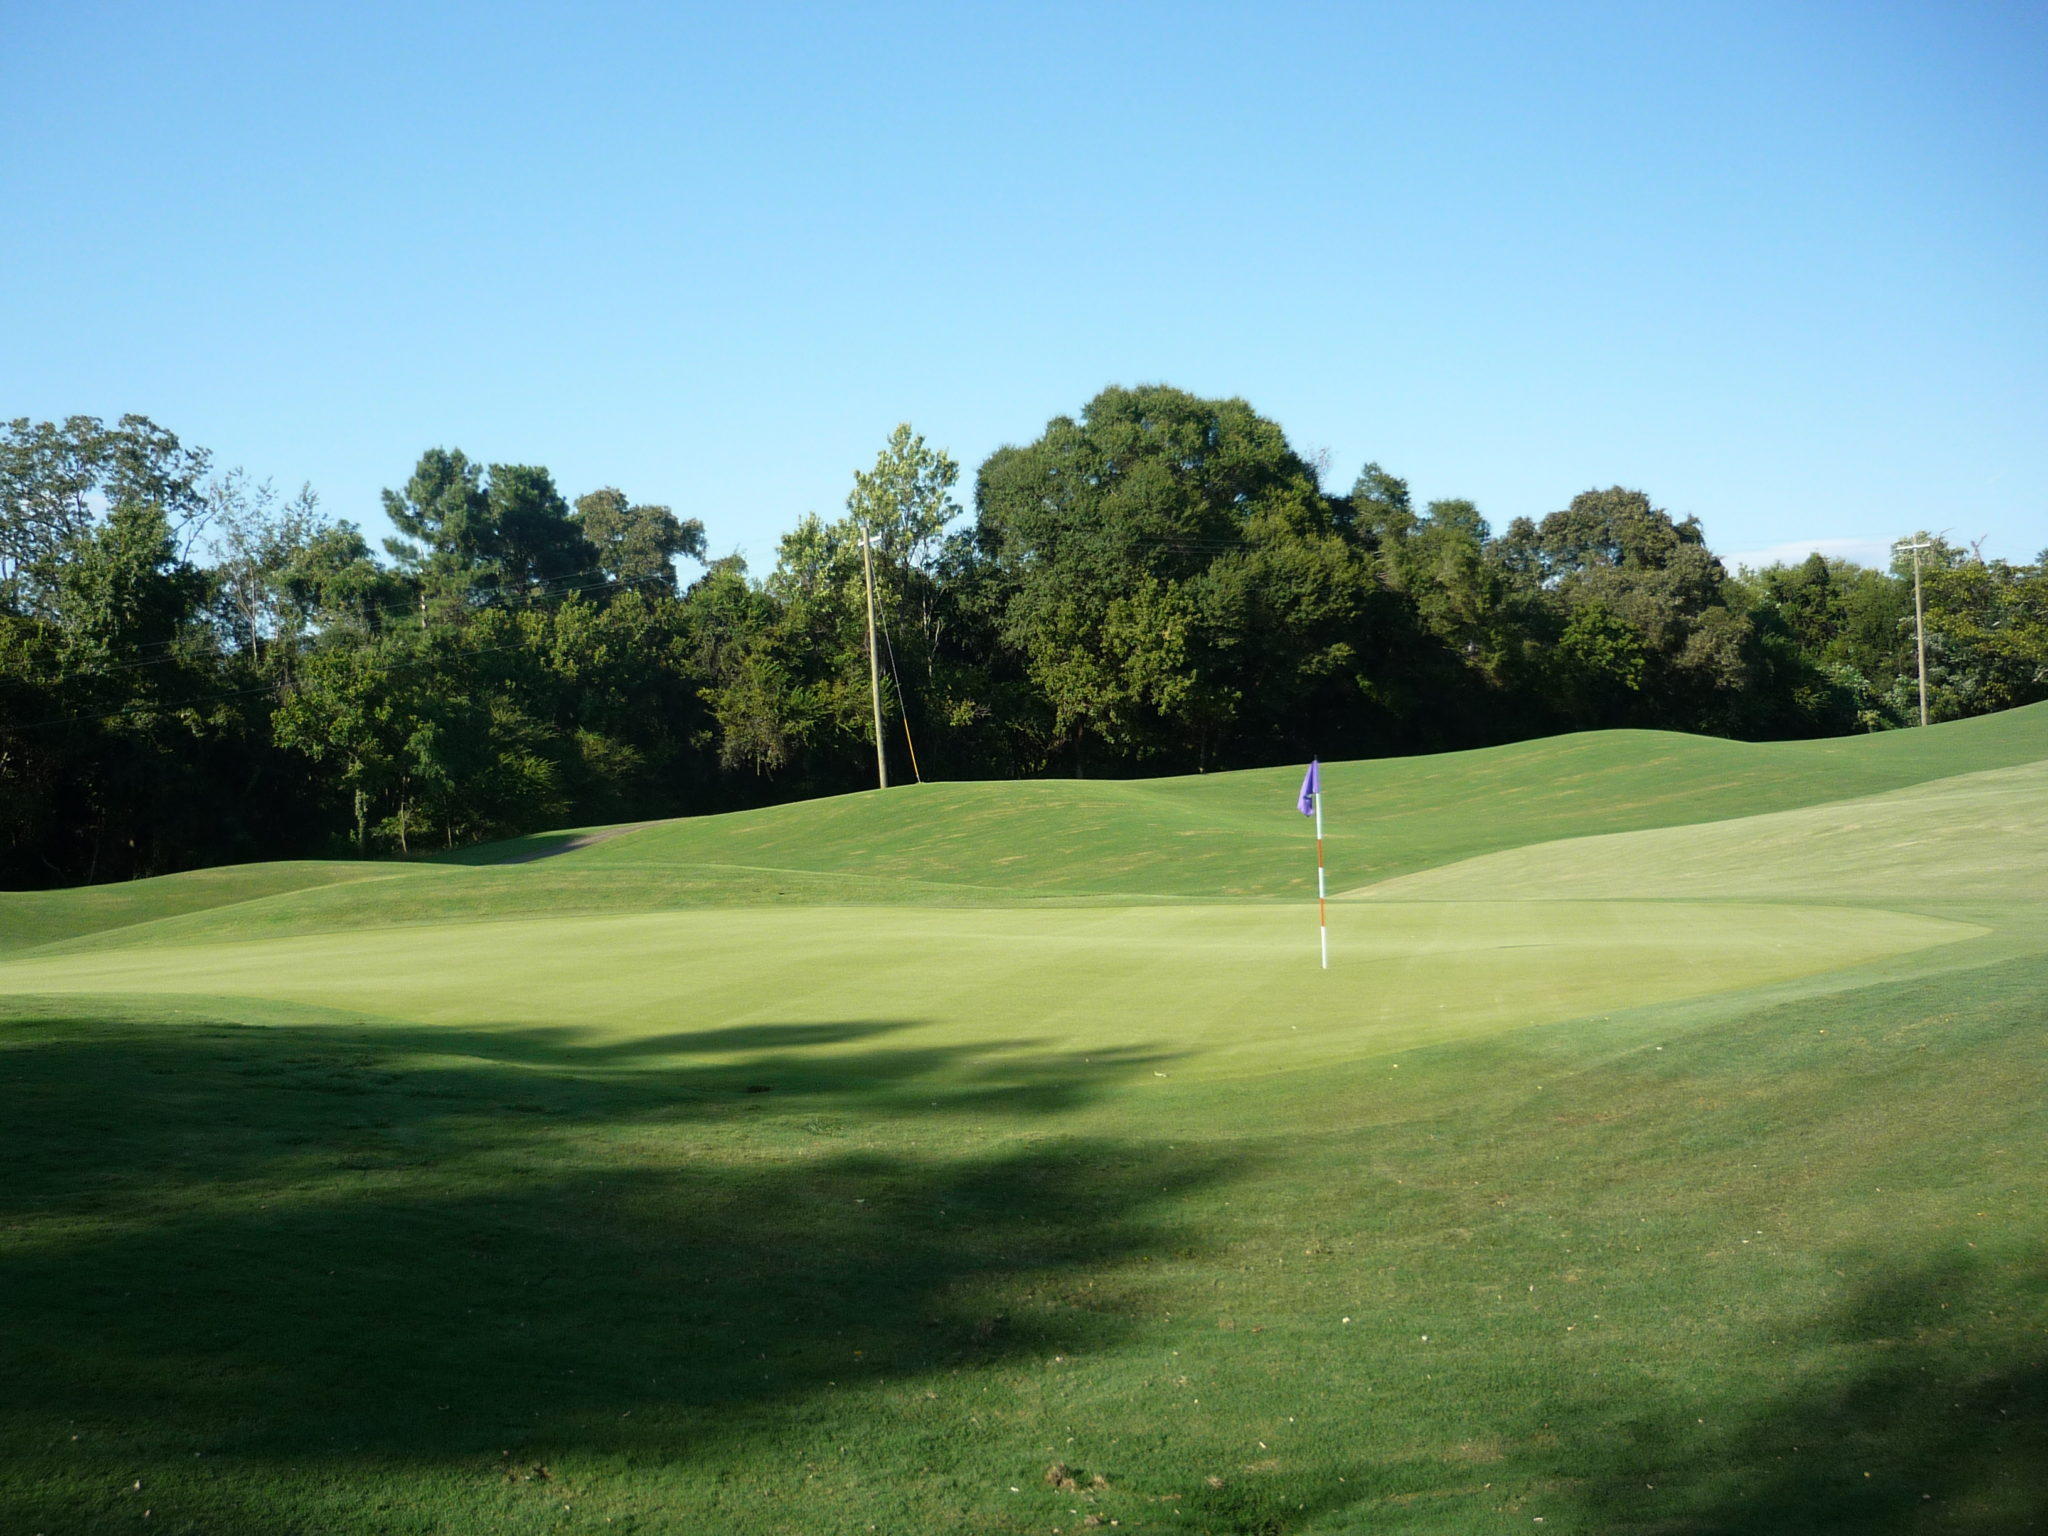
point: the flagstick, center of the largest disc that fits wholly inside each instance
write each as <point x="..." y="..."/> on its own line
<point x="1322" y="899"/>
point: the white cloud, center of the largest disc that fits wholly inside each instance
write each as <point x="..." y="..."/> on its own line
<point x="1874" y="552"/>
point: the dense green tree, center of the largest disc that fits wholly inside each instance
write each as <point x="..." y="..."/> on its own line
<point x="763" y="717"/>
<point x="1159" y="556"/>
<point x="121" y="730"/>
<point x="122" y="591"/>
<point x="906" y="501"/>
<point x="55" y="479"/>
<point x="1382" y="509"/>
<point x="1987" y="629"/>
<point x="1612" y="551"/>
<point x="637" y="546"/>
<point x="1830" y="639"/>
<point x="427" y="745"/>
<point x="795" y="697"/>
<point x="536" y="546"/>
<point x="1474" y="664"/>
<point x="444" y="516"/>
<point x="472" y="538"/>
<point x="283" y="574"/>
<point x="906" y="504"/>
<point x="1157" y="583"/>
<point x="131" y="739"/>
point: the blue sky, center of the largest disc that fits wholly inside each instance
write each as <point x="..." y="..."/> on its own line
<point x="1782" y="266"/>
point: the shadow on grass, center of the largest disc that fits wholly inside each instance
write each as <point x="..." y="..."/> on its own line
<point x="435" y="1245"/>
<point x="1933" y="1417"/>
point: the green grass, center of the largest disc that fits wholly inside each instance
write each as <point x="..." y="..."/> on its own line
<point x="1216" y="836"/>
<point x="29" y="919"/>
<point x="1977" y="836"/>
<point x="846" y="1166"/>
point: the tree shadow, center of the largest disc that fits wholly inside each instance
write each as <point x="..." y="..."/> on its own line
<point x="322" y="1242"/>
<point x="1939" y="1424"/>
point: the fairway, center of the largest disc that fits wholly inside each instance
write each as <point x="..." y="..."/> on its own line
<point x="1977" y="836"/>
<point x="1662" y="1152"/>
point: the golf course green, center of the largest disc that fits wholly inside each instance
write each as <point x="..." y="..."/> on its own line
<point x="1662" y="1152"/>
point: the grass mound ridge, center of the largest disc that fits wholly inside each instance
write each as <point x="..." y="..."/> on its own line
<point x="1217" y="837"/>
<point x="32" y="918"/>
<point x="1972" y="837"/>
<point x="1229" y="834"/>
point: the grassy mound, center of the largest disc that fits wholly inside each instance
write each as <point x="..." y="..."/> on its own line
<point x="1977" y="836"/>
<point x="1217" y="836"/>
<point x="1661" y="1153"/>
<point x="1202" y="838"/>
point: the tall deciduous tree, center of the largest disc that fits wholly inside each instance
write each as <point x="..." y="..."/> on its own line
<point x="906" y="501"/>
<point x="635" y="545"/>
<point x="1987" y="627"/>
<point x="1630" y="581"/>
<point x="1160" y="556"/>
<point x="57" y="478"/>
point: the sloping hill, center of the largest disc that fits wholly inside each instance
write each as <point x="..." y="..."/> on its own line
<point x="1140" y="916"/>
<point x="1229" y="835"/>
<point x="30" y="918"/>
<point x="1221" y="837"/>
<point x="1971" y="837"/>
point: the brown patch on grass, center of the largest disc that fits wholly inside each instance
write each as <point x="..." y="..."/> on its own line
<point x="1070" y="1479"/>
<point x="1474" y="1452"/>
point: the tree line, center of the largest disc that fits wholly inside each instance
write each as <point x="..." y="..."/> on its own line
<point x="195" y="669"/>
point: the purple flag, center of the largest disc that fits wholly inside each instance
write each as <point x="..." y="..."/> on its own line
<point x="1311" y="786"/>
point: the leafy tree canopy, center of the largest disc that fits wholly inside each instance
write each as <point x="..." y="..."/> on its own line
<point x="194" y="667"/>
<point x="637" y="546"/>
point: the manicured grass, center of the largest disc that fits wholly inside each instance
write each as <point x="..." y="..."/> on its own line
<point x="1114" y="984"/>
<point x="29" y="919"/>
<point x="1974" y="837"/>
<point x="1213" y="838"/>
<point x="1216" y="835"/>
<point x="1682" y="1181"/>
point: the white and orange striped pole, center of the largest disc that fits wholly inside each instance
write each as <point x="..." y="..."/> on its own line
<point x="1322" y="895"/>
<point x="1311" y="804"/>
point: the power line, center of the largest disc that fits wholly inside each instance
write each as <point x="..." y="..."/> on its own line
<point x="902" y="703"/>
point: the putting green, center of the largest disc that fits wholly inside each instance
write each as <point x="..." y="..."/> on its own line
<point x="1210" y="990"/>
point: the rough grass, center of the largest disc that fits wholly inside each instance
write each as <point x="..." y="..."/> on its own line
<point x="1713" y="1204"/>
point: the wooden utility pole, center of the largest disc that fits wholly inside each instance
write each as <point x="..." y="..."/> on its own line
<point x="867" y="565"/>
<point x="1919" y="622"/>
